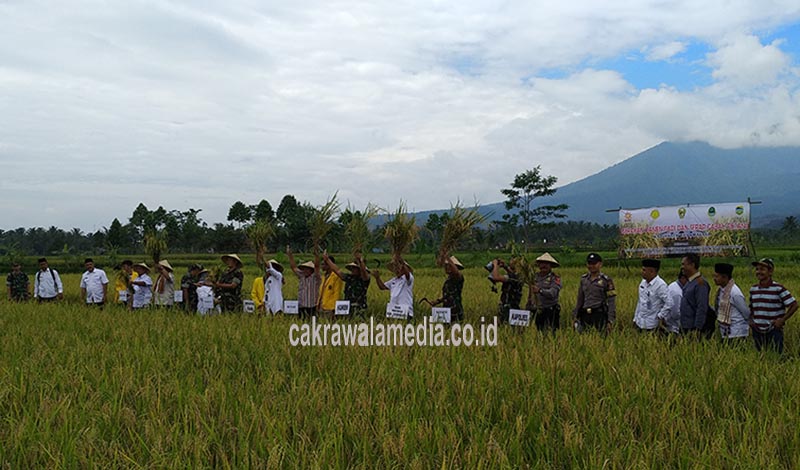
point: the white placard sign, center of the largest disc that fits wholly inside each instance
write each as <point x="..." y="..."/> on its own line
<point x="342" y="307"/>
<point x="178" y="296"/>
<point x="291" y="307"/>
<point x="248" y="306"/>
<point x="397" y="311"/>
<point x="440" y="315"/>
<point x="519" y="317"/>
<point x="123" y="295"/>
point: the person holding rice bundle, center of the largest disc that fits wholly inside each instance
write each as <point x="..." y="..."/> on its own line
<point x="543" y="294"/>
<point x="356" y="282"/>
<point x="273" y="287"/>
<point x="330" y="290"/>
<point x="401" y="286"/>
<point x="511" y="292"/>
<point x="308" y="284"/>
<point x="451" y="289"/>
<point x="229" y="285"/>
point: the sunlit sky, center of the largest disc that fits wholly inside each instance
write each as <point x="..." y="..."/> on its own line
<point x="198" y="104"/>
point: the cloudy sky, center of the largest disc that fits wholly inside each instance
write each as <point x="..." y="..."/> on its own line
<point x="197" y="104"/>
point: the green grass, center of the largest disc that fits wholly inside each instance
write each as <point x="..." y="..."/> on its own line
<point x="81" y="387"/>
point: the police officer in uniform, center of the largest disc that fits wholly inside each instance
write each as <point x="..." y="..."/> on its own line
<point x="543" y="294"/>
<point x="596" y="306"/>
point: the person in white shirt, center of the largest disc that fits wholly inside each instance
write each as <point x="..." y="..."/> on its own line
<point x="671" y="321"/>
<point x="142" y="286"/>
<point x="94" y="284"/>
<point x="47" y="285"/>
<point x="733" y="313"/>
<point x="400" y="287"/>
<point x="654" y="300"/>
<point x="273" y="287"/>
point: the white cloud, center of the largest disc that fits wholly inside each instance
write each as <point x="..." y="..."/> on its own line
<point x="665" y="51"/>
<point x="743" y="60"/>
<point x="198" y="104"/>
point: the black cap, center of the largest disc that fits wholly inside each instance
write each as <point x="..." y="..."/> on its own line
<point x="195" y="266"/>
<point x="593" y="258"/>
<point x="651" y="263"/>
<point x="724" y="268"/>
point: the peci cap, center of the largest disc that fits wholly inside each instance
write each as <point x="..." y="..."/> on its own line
<point x="651" y="263"/>
<point x="593" y="258"/>
<point x="724" y="268"/>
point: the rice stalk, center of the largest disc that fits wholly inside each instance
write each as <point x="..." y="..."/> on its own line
<point x="458" y="227"/>
<point x="357" y="229"/>
<point x="322" y="220"/>
<point x="401" y="231"/>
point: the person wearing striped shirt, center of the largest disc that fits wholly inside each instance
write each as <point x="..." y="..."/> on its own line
<point x="308" y="282"/>
<point x="771" y="305"/>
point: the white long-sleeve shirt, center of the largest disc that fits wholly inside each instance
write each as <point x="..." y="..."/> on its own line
<point x="740" y="315"/>
<point x="273" y="291"/>
<point x="142" y="294"/>
<point x="673" y="317"/>
<point x="654" y="303"/>
<point x="47" y="284"/>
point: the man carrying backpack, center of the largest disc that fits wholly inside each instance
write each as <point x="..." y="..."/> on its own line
<point x="47" y="285"/>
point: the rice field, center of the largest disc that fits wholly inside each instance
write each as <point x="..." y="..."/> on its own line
<point x="81" y="387"/>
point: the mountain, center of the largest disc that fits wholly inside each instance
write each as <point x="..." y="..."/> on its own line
<point x="681" y="173"/>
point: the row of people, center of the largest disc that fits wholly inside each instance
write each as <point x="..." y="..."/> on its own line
<point x="681" y="307"/>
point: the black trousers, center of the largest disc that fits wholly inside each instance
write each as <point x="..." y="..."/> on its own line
<point x="598" y="319"/>
<point x="548" y="319"/>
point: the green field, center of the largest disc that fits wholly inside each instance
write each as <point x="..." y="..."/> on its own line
<point x="81" y="387"/>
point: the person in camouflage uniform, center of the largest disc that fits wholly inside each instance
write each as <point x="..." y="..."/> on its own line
<point x="451" y="289"/>
<point x="18" y="284"/>
<point x="511" y="292"/>
<point x="229" y="285"/>
<point x="356" y="283"/>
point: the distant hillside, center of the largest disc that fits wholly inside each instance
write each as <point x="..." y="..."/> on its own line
<point x="680" y="173"/>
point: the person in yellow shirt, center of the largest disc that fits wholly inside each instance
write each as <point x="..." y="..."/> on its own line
<point x="330" y="290"/>
<point x="125" y="288"/>
<point x="257" y="293"/>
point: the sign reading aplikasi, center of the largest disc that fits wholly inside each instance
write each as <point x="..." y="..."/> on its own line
<point x="705" y="229"/>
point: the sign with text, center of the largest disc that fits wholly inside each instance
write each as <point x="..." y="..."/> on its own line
<point x="248" y="306"/>
<point x="397" y="311"/>
<point x="123" y="295"/>
<point x="705" y="229"/>
<point x="519" y="317"/>
<point x="342" y="307"/>
<point x="291" y="307"/>
<point x="440" y="315"/>
<point x="178" y="296"/>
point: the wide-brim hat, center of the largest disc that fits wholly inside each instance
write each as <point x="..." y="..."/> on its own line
<point x="143" y="266"/>
<point x="234" y="257"/>
<point x="352" y="265"/>
<point x="455" y="262"/>
<point x="275" y="264"/>
<point x="548" y="258"/>
<point x="307" y="264"/>
<point x="166" y="264"/>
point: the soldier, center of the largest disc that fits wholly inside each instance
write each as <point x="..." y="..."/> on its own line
<point x="18" y="284"/>
<point x="596" y="305"/>
<point x="356" y="283"/>
<point x="543" y="295"/>
<point x="451" y="290"/>
<point x="511" y="292"/>
<point x="229" y="285"/>
<point x="189" y="282"/>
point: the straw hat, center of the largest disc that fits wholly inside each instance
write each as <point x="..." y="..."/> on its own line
<point x="143" y="266"/>
<point x="547" y="258"/>
<point x="233" y="257"/>
<point x="352" y="265"/>
<point x="307" y="264"/>
<point x="455" y="262"/>
<point x="166" y="264"/>
<point x="275" y="264"/>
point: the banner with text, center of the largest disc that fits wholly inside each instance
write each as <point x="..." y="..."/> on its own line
<point x="705" y="229"/>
